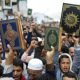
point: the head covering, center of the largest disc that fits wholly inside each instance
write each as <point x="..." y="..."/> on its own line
<point x="35" y="64"/>
<point x="59" y="74"/>
<point x="68" y="57"/>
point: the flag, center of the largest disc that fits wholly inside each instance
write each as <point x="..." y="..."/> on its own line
<point x="51" y="38"/>
<point x="29" y="11"/>
<point x="70" y="18"/>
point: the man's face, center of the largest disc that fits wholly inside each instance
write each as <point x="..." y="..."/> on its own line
<point x="17" y="72"/>
<point x="65" y="65"/>
<point x="66" y="78"/>
<point x="71" y="51"/>
<point x="34" y="74"/>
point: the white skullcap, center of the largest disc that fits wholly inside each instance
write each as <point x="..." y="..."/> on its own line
<point x="35" y="64"/>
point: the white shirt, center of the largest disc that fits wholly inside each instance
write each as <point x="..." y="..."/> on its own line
<point x="6" y="78"/>
<point x="7" y="68"/>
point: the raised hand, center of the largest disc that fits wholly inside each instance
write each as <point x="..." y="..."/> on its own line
<point x="49" y="56"/>
<point x="10" y="49"/>
<point x="33" y="44"/>
<point x="9" y="55"/>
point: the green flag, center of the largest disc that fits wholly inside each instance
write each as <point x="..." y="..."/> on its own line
<point x="29" y="11"/>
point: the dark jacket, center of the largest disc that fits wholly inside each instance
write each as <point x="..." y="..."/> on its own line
<point x="50" y="73"/>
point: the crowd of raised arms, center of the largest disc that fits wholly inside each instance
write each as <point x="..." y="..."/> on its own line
<point x="35" y="63"/>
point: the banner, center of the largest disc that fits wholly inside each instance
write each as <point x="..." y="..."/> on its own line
<point x="29" y="11"/>
<point x="51" y="38"/>
<point x="70" y="18"/>
<point x="11" y="33"/>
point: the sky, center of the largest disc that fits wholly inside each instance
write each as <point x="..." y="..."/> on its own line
<point x="51" y="8"/>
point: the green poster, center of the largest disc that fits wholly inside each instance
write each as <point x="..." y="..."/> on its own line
<point x="29" y="11"/>
<point x="51" y="38"/>
<point x="7" y="2"/>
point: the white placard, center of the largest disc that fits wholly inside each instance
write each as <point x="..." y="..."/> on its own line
<point x="23" y="7"/>
<point x="15" y="8"/>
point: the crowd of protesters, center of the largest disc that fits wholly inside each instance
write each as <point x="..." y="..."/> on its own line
<point x="36" y="63"/>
